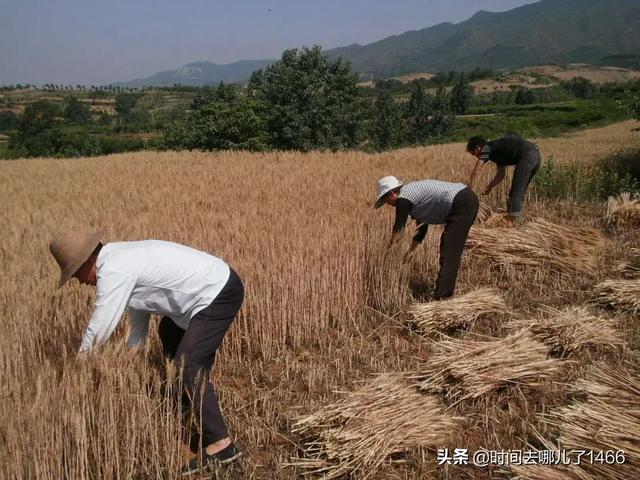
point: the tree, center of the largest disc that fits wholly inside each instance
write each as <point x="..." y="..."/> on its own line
<point x="226" y="92"/>
<point x="146" y="108"/>
<point x="439" y="78"/>
<point x="428" y="116"/>
<point x="38" y="116"/>
<point x="8" y="120"/>
<point x="36" y="132"/>
<point x="441" y="120"/>
<point x="386" y="127"/>
<point x="308" y="101"/>
<point x="580" y="87"/>
<point x="231" y="122"/>
<point x="125" y="103"/>
<point x="524" y="96"/>
<point x="391" y="85"/>
<point x="76" y="111"/>
<point x="418" y="115"/>
<point x="461" y="95"/>
<point x="634" y="106"/>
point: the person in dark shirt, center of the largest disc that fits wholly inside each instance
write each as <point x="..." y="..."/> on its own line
<point x="432" y="202"/>
<point x="504" y="152"/>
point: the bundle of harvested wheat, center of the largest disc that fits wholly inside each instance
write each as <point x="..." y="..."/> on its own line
<point x="601" y="426"/>
<point x="608" y="420"/>
<point x="630" y="268"/>
<point x="539" y="243"/>
<point x="457" y="312"/>
<point x="619" y="294"/>
<point x="484" y="212"/>
<point x="359" y="432"/>
<point x="618" y="386"/>
<point x="627" y="269"/>
<point x="623" y="211"/>
<point x="464" y="369"/>
<point x="544" y="472"/>
<point x="497" y="220"/>
<point x="573" y="329"/>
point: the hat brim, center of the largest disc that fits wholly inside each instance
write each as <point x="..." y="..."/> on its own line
<point x="90" y="243"/>
<point x="382" y="200"/>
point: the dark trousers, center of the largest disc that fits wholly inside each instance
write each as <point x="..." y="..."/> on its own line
<point x="195" y="350"/>
<point x="522" y="176"/>
<point x="456" y="229"/>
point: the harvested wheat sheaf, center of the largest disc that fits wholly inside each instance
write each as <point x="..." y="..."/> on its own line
<point x="616" y="386"/>
<point x="623" y="211"/>
<point x="359" y="432"/>
<point x="457" y="312"/>
<point x="539" y="243"/>
<point x="609" y="419"/>
<point x="573" y="329"/>
<point x="543" y="472"/>
<point x="463" y="369"/>
<point x="628" y="269"/>
<point x="484" y="212"/>
<point x="619" y="294"/>
<point x="497" y="220"/>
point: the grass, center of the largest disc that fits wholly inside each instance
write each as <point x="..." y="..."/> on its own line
<point x="322" y="312"/>
<point x="541" y="120"/>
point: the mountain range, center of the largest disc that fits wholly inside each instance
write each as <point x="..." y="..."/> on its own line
<point x="549" y="31"/>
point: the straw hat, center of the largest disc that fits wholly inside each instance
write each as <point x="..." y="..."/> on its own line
<point x="71" y="249"/>
<point x="385" y="185"/>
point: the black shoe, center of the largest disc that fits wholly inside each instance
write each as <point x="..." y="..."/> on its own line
<point x="205" y="461"/>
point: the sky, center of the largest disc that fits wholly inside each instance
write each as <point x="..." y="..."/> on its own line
<point x="98" y="42"/>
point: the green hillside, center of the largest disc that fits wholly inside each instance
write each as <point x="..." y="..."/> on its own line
<point x="550" y="31"/>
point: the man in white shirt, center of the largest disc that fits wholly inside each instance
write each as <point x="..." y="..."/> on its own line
<point x="197" y="294"/>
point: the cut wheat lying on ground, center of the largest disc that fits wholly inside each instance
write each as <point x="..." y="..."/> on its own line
<point x="321" y="313"/>
<point x="573" y="329"/>
<point x="605" y="419"/>
<point x="459" y="312"/>
<point x="356" y="434"/>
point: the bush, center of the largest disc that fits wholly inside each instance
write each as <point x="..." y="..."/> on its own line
<point x="116" y="144"/>
<point x="575" y="181"/>
<point x="633" y="106"/>
<point x="8" y="120"/>
<point x="70" y="142"/>
<point x="580" y="87"/>
<point x="541" y="120"/>
<point x="75" y="111"/>
<point x="233" y="124"/>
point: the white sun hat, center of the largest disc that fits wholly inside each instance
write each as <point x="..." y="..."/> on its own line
<point x="385" y="185"/>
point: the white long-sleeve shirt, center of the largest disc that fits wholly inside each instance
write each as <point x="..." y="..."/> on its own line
<point x="151" y="276"/>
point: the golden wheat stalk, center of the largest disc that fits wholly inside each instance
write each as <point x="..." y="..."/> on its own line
<point x="573" y="329"/>
<point x="357" y="433"/>
<point x="457" y="312"/>
<point x="497" y="220"/>
<point x="539" y="243"/>
<point x="622" y="211"/>
<point x="544" y="472"/>
<point x="463" y="369"/>
<point x="609" y="419"/>
<point x="619" y="294"/>
<point x="484" y="213"/>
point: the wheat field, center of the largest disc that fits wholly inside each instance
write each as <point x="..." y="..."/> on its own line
<point x="324" y="309"/>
